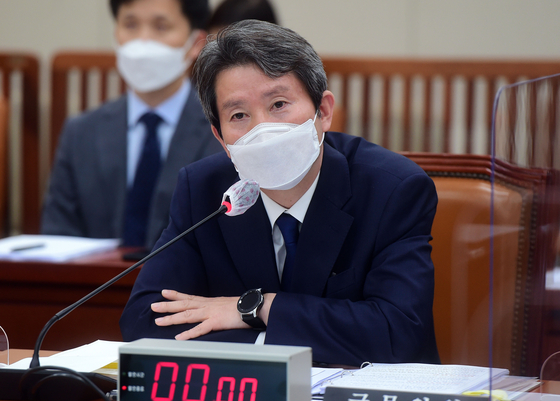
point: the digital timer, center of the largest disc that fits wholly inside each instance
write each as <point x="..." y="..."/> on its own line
<point x="169" y="370"/>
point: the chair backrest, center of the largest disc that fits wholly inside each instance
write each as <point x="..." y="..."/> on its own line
<point x="339" y="119"/>
<point x="20" y="86"/>
<point x="462" y="253"/>
<point x="424" y="105"/>
<point x="80" y="80"/>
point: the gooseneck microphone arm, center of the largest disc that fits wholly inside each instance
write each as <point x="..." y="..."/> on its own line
<point x="225" y="207"/>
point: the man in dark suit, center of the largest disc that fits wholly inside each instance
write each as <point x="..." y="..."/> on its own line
<point x="116" y="167"/>
<point x="334" y="255"/>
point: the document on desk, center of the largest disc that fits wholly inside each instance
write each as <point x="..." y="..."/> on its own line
<point x="321" y="377"/>
<point x="86" y="358"/>
<point x="52" y="248"/>
<point x="426" y="378"/>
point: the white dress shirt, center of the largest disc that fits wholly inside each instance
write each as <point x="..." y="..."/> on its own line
<point x="298" y="211"/>
<point x="170" y="112"/>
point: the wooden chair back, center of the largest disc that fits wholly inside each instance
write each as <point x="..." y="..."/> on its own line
<point x="20" y="87"/>
<point x="339" y="119"/>
<point x="80" y="80"/>
<point x="462" y="249"/>
<point x="440" y="106"/>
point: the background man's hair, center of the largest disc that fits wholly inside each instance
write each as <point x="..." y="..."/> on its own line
<point x="275" y="50"/>
<point x="230" y="11"/>
<point x="197" y="12"/>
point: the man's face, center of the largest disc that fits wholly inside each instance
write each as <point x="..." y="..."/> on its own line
<point x="246" y="97"/>
<point x="159" y="20"/>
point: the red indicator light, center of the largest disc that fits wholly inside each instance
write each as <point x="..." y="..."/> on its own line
<point x="123" y="388"/>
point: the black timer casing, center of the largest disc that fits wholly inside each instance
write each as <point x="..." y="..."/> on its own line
<point x="249" y="305"/>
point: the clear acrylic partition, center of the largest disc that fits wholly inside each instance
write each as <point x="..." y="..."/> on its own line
<point x="524" y="329"/>
<point x="4" y="348"/>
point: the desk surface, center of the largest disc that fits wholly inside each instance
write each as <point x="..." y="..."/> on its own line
<point x="98" y="266"/>
<point x="32" y="292"/>
<point x="17" y="354"/>
<point x="550" y="387"/>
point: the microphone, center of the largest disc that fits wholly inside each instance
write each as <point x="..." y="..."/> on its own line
<point x="240" y="197"/>
<point x="236" y="201"/>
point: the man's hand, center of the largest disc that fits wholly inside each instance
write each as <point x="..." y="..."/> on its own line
<point x="212" y="314"/>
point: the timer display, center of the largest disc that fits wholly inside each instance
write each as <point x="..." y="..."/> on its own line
<point x="169" y="370"/>
<point x="156" y="378"/>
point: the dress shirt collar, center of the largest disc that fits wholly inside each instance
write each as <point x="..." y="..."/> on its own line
<point x="298" y="210"/>
<point x="169" y="110"/>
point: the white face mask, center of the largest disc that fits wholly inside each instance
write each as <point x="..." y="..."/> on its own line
<point x="148" y="65"/>
<point x="276" y="155"/>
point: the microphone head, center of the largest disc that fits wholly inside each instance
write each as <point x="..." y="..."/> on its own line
<point x="240" y="197"/>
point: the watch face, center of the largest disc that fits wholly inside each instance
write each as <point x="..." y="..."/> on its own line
<point x="249" y="301"/>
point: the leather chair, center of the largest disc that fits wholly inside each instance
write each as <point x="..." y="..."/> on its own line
<point x="520" y="247"/>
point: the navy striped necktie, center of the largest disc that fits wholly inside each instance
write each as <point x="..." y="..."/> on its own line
<point x="289" y="226"/>
<point x="140" y="196"/>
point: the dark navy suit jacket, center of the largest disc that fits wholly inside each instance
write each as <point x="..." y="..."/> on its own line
<point x="364" y="279"/>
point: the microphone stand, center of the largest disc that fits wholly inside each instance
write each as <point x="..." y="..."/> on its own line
<point x="14" y="376"/>
<point x="35" y="359"/>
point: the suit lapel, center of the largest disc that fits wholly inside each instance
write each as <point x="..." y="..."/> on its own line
<point x="249" y="237"/>
<point x="187" y="145"/>
<point x="191" y="135"/>
<point x="325" y="226"/>
<point x="111" y="147"/>
<point x="249" y="241"/>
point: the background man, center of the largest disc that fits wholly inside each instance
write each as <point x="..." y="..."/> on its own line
<point x="338" y="242"/>
<point x="116" y="167"/>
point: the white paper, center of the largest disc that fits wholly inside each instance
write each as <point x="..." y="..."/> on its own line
<point x="321" y="377"/>
<point x="553" y="279"/>
<point x="426" y="378"/>
<point x="52" y="248"/>
<point x="86" y="358"/>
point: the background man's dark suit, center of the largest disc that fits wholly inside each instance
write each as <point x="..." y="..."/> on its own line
<point x="363" y="273"/>
<point x="87" y="189"/>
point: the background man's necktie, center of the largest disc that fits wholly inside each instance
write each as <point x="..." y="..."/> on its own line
<point x="140" y="195"/>
<point x="290" y="231"/>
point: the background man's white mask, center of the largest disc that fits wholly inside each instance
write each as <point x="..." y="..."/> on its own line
<point x="148" y="65"/>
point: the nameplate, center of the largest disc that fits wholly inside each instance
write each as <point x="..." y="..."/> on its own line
<point x="356" y="394"/>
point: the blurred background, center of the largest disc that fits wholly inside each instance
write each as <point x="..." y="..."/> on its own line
<point x="473" y="28"/>
<point x="465" y="29"/>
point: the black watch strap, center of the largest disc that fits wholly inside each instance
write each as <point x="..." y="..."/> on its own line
<point x="254" y="322"/>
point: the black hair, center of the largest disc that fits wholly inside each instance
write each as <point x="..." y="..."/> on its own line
<point x="197" y="12"/>
<point x="275" y="50"/>
<point x="230" y="11"/>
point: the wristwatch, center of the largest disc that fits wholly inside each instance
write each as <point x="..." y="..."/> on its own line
<point x="249" y="305"/>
